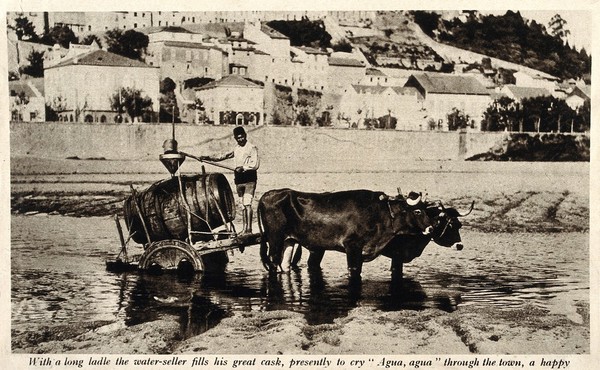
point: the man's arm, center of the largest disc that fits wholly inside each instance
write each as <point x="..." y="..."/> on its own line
<point x="209" y="158"/>
<point x="252" y="162"/>
<point x="217" y="158"/>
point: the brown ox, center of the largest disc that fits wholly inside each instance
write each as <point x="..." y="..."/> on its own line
<point x="404" y="248"/>
<point x="360" y="223"/>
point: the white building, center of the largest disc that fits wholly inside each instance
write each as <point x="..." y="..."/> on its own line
<point x="80" y="88"/>
<point x="233" y="100"/>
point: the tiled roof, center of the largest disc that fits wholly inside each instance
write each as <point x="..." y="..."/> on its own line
<point x="450" y="84"/>
<point x="404" y="90"/>
<point x="21" y="86"/>
<point x="240" y="39"/>
<point x="231" y="80"/>
<point x="520" y="92"/>
<point x="309" y="50"/>
<point x="190" y="45"/>
<point x="173" y="29"/>
<point x="260" y="52"/>
<point x="584" y="92"/>
<point x="374" y="72"/>
<point x="274" y="34"/>
<point x="369" y="89"/>
<point x="344" y="62"/>
<point x="102" y="58"/>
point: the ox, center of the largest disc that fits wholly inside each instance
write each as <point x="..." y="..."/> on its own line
<point x="360" y="223"/>
<point x="405" y="248"/>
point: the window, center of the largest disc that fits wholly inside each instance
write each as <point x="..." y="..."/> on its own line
<point x="135" y="25"/>
<point x="89" y="28"/>
<point x="135" y="14"/>
<point x="32" y="116"/>
<point x="242" y="71"/>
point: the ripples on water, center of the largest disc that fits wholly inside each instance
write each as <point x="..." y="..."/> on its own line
<point x="58" y="276"/>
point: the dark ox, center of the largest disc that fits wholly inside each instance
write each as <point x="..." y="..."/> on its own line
<point x="361" y="223"/>
<point x="444" y="232"/>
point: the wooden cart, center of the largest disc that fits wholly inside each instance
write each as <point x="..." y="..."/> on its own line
<point x="184" y="223"/>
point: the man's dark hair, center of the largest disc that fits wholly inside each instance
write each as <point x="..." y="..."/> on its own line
<point x="239" y="130"/>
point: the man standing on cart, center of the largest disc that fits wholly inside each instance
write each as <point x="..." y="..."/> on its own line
<point x="245" y="157"/>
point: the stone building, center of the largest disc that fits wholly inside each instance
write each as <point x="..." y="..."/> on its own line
<point x="232" y="100"/>
<point x="79" y="88"/>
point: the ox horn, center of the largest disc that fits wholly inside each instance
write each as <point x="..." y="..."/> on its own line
<point x="413" y="202"/>
<point x="470" y="210"/>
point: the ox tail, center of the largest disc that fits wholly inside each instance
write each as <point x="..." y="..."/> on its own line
<point x="264" y="248"/>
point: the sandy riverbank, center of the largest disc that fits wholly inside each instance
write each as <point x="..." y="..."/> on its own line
<point x="538" y="198"/>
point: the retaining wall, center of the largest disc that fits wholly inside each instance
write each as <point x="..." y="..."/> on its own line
<point x="301" y="149"/>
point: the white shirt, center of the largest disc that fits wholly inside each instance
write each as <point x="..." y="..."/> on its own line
<point x="246" y="156"/>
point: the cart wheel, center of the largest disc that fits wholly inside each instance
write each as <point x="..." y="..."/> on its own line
<point x="172" y="255"/>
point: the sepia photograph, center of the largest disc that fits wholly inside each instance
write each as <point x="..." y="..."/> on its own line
<point x="320" y="187"/>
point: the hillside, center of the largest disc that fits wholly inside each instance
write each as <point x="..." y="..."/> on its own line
<point x="423" y="40"/>
<point x="509" y="37"/>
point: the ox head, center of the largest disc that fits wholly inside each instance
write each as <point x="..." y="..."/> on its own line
<point x="408" y="217"/>
<point x="446" y="225"/>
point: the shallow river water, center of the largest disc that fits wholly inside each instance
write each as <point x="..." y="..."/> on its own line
<point x="59" y="277"/>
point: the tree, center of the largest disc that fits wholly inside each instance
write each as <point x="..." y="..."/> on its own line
<point x="558" y="29"/>
<point x="303" y="32"/>
<point x="503" y="114"/>
<point x="36" y="64"/>
<point x="19" y="101"/>
<point x="169" y="111"/>
<point x="167" y="85"/>
<point x="89" y="39"/>
<point x="129" y="100"/>
<point x="62" y="35"/>
<point x="427" y="20"/>
<point x="342" y="45"/>
<point x="24" y="29"/>
<point x="457" y="119"/>
<point x="198" y="107"/>
<point x="130" y="44"/>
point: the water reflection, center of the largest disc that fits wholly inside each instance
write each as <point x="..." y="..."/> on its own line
<point x="202" y="301"/>
<point x="58" y="276"/>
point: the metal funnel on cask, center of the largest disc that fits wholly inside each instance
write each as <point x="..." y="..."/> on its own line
<point x="171" y="158"/>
